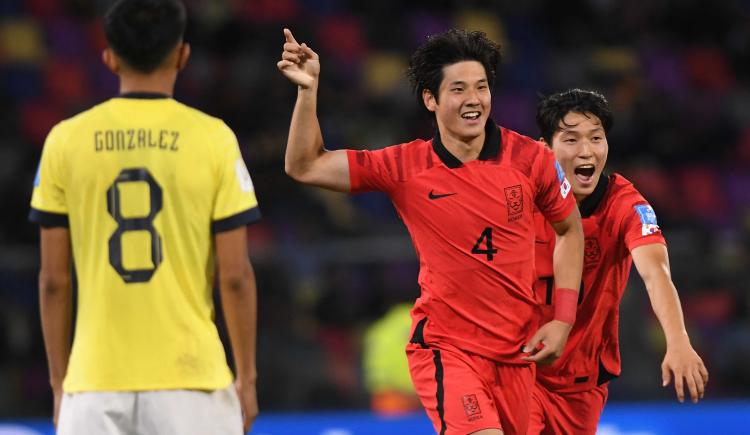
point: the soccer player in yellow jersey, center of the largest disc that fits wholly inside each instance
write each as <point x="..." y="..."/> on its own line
<point x="148" y="197"/>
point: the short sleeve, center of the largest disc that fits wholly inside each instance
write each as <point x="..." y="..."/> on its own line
<point x="640" y="225"/>
<point x="235" y="203"/>
<point x="372" y="170"/>
<point x="49" y="207"/>
<point x="554" y="197"/>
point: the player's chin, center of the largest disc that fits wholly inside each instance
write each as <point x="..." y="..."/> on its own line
<point x="582" y="191"/>
<point x="469" y="132"/>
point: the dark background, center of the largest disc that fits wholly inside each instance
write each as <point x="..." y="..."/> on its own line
<point x="676" y="74"/>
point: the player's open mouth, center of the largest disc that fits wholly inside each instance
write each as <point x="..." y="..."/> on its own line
<point x="585" y="173"/>
<point x="473" y="116"/>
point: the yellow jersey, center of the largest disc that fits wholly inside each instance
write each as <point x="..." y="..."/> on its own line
<point x="144" y="182"/>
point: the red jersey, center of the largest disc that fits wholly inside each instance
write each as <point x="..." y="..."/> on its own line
<point x="616" y="219"/>
<point x="472" y="228"/>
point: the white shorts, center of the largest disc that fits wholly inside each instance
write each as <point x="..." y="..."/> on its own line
<point x="151" y="413"/>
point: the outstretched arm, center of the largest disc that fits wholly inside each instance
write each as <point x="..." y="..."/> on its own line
<point x="306" y="159"/>
<point x="567" y="263"/>
<point x="56" y="306"/>
<point x="652" y="263"/>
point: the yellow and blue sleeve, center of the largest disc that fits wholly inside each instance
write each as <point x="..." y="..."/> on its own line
<point x="48" y="204"/>
<point x="235" y="204"/>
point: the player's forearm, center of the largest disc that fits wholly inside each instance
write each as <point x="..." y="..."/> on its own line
<point x="568" y="257"/>
<point x="305" y="142"/>
<point x="666" y="305"/>
<point x="56" y="308"/>
<point x="652" y="263"/>
<point x="239" y="302"/>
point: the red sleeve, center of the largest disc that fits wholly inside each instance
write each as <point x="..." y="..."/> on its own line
<point x="371" y="170"/>
<point x="554" y="197"/>
<point x="639" y="223"/>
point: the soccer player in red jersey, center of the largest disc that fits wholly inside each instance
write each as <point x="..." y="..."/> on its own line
<point x="620" y="228"/>
<point x="466" y="197"/>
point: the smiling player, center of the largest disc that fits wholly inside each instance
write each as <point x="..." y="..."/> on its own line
<point x="620" y="228"/>
<point x="466" y="197"/>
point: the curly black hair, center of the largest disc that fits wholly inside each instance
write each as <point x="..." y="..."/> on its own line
<point x="427" y="63"/>
<point x="552" y="110"/>
<point x="143" y="32"/>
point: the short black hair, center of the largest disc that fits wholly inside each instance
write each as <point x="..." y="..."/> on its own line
<point x="553" y="109"/>
<point x="143" y="32"/>
<point x="427" y="63"/>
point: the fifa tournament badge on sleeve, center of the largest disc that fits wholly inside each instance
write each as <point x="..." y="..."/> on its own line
<point x="38" y="176"/>
<point x="648" y="219"/>
<point x="564" y="183"/>
<point x="243" y="176"/>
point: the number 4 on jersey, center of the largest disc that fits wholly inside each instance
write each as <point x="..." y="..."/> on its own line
<point x="486" y="239"/>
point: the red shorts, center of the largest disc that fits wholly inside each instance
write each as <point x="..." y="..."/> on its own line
<point x="566" y="413"/>
<point x="464" y="393"/>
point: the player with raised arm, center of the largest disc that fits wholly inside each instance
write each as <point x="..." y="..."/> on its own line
<point x="466" y="197"/>
<point x="148" y="196"/>
<point x="620" y="228"/>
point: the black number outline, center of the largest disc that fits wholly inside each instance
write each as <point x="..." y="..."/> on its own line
<point x="134" y="224"/>
<point x="486" y="237"/>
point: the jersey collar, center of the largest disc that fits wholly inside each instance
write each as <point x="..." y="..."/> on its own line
<point x="490" y="149"/>
<point x="590" y="203"/>
<point x="144" y="95"/>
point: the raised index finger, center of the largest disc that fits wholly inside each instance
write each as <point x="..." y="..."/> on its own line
<point x="288" y="36"/>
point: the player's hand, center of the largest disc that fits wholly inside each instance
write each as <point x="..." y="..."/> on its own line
<point x="246" y="392"/>
<point x="298" y="62"/>
<point x="688" y="370"/>
<point x="552" y="336"/>
<point x="57" y="393"/>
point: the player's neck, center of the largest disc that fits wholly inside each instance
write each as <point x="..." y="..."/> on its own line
<point x="463" y="149"/>
<point x="159" y="82"/>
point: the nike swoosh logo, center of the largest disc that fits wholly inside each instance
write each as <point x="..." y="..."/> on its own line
<point x="433" y="195"/>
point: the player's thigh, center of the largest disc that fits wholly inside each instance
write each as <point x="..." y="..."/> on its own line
<point x="512" y="392"/>
<point x="538" y="411"/>
<point x="106" y="413"/>
<point x="577" y="412"/>
<point x="188" y="412"/>
<point x="537" y="420"/>
<point x="453" y="390"/>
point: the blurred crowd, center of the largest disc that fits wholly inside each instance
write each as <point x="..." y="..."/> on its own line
<point x="328" y="265"/>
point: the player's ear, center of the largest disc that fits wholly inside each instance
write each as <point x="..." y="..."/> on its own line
<point x="110" y="60"/>
<point x="430" y="102"/>
<point x="544" y="141"/>
<point x="183" y="55"/>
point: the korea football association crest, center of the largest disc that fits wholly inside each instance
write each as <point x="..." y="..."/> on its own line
<point x="564" y="183"/>
<point x="591" y="252"/>
<point x="471" y="407"/>
<point x="514" y="202"/>
<point x="648" y="219"/>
